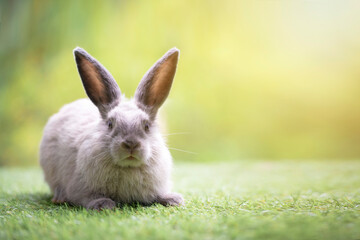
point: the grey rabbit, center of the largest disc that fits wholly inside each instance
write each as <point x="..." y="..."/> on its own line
<point x="110" y="150"/>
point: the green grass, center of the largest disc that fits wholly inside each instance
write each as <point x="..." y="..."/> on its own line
<point x="237" y="200"/>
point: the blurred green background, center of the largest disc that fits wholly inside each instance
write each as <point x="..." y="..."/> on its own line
<point x="256" y="79"/>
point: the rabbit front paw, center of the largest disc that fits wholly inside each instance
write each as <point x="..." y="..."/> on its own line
<point x="171" y="199"/>
<point x="101" y="203"/>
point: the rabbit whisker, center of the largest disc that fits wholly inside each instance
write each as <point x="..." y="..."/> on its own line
<point x="180" y="150"/>
<point x="101" y="155"/>
<point x="179" y="133"/>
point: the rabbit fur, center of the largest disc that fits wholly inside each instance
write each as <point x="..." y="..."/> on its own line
<point x="107" y="150"/>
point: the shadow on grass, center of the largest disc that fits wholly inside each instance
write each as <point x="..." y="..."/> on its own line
<point x="42" y="202"/>
<point x="33" y="201"/>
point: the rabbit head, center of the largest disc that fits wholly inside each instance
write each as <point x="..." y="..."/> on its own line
<point x="128" y="127"/>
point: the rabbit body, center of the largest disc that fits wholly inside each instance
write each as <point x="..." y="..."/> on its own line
<point x="95" y="154"/>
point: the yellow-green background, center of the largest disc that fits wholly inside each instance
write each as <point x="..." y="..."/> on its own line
<point x="256" y="79"/>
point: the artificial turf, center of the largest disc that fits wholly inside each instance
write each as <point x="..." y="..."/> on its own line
<point x="230" y="200"/>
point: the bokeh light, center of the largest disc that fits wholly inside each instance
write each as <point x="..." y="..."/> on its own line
<point x="256" y="79"/>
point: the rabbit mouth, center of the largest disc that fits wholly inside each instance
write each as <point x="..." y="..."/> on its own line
<point x="130" y="161"/>
<point x="131" y="157"/>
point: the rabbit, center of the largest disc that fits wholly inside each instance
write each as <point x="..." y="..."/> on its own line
<point x="108" y="150"/>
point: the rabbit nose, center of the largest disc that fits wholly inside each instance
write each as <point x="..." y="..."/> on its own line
<point x="130" y="145"/>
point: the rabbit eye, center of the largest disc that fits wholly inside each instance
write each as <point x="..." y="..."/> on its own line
<point x="110" y="124"/>
<point x="146" y="127"/>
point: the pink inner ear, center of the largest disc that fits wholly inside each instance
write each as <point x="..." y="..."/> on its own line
<point x="162" y="81"/>
<point x="94" y="85"/>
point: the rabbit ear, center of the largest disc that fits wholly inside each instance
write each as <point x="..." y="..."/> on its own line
<point x="156" y="83"/>
<point x="99" y="85"/>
